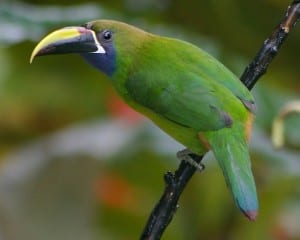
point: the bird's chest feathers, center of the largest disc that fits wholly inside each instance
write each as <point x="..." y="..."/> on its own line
<point x="144" y="88"/>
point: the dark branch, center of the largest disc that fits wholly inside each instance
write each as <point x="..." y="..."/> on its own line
<point x="163" y="212"/>
<point x="271" y="46"/>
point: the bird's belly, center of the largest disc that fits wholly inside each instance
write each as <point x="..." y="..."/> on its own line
<point x="187" y="136"/>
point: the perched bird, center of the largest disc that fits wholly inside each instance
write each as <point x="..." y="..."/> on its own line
<point x="186" y="92"/>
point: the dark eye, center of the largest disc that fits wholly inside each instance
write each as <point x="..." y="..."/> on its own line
<point x="107" y="35"/>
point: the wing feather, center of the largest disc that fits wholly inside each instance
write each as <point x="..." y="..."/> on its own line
<point x="193" y="89"/>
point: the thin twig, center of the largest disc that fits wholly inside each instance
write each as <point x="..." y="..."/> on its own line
<point x="271" y="46"/>
<point x="163" y="212"/>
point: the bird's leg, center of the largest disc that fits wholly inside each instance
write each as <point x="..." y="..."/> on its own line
<point x="187" y="156"/>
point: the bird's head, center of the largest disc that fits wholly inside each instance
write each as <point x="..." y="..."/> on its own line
<point x="103" y="43"/>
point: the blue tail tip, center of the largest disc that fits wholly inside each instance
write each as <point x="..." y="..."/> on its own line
<point x="251" y="214"/>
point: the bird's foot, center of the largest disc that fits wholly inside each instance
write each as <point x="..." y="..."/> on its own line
<point x="188" y="156"/>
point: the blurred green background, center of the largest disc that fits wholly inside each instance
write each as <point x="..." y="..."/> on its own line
<point x="77" y="164"/>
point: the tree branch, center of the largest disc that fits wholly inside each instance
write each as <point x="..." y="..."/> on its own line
<point x="164" y="210"/>
<point x="271" y="46"/>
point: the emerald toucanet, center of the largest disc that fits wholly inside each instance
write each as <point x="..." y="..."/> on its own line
<point x="182" y="89"/>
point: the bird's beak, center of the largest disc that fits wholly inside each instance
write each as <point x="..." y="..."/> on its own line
<point x="68" y="40"/>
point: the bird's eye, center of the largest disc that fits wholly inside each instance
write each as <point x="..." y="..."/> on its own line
<point x="107" y="35"/>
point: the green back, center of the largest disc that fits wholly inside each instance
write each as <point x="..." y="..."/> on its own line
<point x="185" y="85"/>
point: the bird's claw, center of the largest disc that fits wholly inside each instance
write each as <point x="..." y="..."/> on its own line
<point x="186" y="155"/>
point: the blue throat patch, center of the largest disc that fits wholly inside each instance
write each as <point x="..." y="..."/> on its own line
<point x="106" y="62"/>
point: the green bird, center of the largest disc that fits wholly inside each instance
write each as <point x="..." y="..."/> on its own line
<point x="186" y="92"/>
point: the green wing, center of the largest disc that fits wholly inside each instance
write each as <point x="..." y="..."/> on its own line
<point x="194" y="89"/>
<point x="185" y="98"/>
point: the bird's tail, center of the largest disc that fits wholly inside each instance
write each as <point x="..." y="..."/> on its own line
<point x="230" y="148"/>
